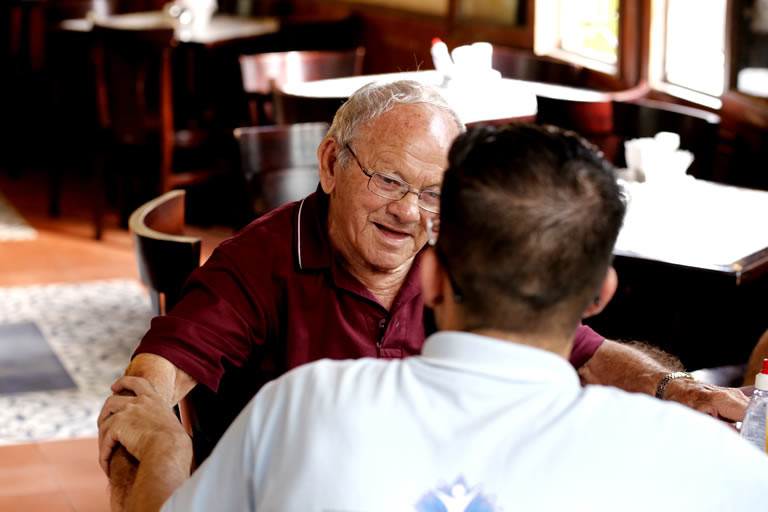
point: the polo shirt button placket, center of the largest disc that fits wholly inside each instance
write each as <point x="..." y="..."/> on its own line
<point x="383" y="328"/>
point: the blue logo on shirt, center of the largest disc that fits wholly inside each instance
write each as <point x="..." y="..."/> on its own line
<point x="455" y="497"/>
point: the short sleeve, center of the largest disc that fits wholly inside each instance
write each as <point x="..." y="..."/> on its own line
<point x="219" y="318"/>
<point x="585" y="344"/>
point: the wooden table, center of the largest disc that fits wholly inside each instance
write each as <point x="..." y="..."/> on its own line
<point x="481" y="101"/>
<point x="698" y="224"/>
<point x="222" y="29"/>
<point x="692" y="259"/>
<point x="476" y="99"/>
<point x="205" y="61"/>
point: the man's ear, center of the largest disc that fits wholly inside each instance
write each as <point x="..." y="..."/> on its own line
<point x="327" y="156"/>
<point x="607" y="290"/>
<point x="431" y="274"/>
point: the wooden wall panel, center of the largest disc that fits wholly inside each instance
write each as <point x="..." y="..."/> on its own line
<point x="398" y="40"/>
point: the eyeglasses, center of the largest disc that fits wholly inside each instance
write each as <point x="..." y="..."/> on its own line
<point x="433" y="229"/>
<point x="392" y="187"/>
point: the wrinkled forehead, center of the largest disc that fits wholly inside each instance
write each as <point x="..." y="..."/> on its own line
<point x="412" y="127"/>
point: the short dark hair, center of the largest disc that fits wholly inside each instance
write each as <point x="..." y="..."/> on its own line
<point x="529" y="217"/>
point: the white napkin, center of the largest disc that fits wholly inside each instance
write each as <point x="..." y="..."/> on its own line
<point x="196" y="14"/>
<point x="465" y="65"/>
<point x="658" y="159"/>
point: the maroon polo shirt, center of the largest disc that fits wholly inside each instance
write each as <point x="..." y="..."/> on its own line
<point x="274" y="297"/>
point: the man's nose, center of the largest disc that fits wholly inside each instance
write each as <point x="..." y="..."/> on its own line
<point x="406" y="210"/>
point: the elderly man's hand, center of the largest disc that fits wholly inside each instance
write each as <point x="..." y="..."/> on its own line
<point x="144" y="424"/>
<point x="727" y="404"/>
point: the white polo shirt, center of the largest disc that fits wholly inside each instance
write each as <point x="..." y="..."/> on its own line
<point x="474" y="424"/>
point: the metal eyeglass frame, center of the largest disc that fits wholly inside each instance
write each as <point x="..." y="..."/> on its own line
<point x="404" y="186"/>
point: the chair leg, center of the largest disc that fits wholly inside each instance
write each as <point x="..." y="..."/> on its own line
<point x="54" y="193"/>
<point x="154" y="298"/>
<point x="99" y="195"/>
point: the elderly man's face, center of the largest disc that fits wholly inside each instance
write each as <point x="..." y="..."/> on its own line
<point x="373" y="233"/>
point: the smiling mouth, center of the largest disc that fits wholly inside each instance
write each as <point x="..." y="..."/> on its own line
<point x="391" y="233"/>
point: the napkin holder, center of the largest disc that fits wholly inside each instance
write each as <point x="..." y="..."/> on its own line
<point x="657" y="159"/>
<point x="466" y="65"/>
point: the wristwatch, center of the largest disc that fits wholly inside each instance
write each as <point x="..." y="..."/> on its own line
<point x="662" y="387"/>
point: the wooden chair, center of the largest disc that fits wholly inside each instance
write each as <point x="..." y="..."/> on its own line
<point x="23" y="93"/>
<point x="165" y="258"/>
<point x="69" y="73"/>
<point x="698" y="129"/>
<point x="164" y="255"/>
<point x="263" y="72"/>
<point x="294" y="108"/>
<point x="591" y="119"/>
<point x="141" y="130"/>
<point x="524" y="65"/>
<point x="279" y="162"/>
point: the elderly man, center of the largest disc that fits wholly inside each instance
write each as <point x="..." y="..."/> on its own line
<point x="491" y="416"/>
<point x="336" y="274"/>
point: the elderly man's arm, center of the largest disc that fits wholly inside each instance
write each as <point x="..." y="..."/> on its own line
<point x="171" y="385"/>
<point x="626" y="367"/>
<point x="147" y="428"/>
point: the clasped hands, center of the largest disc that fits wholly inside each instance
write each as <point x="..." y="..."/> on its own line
<point x="139" y="418"/>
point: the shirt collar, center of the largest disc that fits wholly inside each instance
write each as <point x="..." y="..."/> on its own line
<point x="509" y="361"/>
<point x="312" y="248"/>
<point x="310" y="235"/>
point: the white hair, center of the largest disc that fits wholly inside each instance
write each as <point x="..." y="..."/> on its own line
<point x="374" y="99"/>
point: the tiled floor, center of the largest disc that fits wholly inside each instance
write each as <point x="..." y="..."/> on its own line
<point x="62" y="475"/>
<point x="52" y="476"/>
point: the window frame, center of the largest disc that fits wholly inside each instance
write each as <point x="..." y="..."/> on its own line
<point x="627" y="71"/>
<point x="655" y="65"/>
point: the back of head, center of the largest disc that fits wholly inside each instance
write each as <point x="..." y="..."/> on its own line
<point x="374" y="99"/>
<point x="529" y="218"/>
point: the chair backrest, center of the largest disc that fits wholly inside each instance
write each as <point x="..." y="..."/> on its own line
<point x="698" y="129"/>
<point x="279" y="162"/>
<point x="262" y="72"/>
<point x="591" y="119"/>
<point x="584" y="117"/>
<point x="134" y="82"/>
<point x="525" y="65"/>
<point x="293" y="108"/>
<point x="165" y="256"/>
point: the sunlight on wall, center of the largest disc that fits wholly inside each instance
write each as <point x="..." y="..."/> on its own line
<point x="494" y="11"/>
<point x="435" y="7"/>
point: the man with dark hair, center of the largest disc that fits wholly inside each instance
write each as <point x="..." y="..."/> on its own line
<point x="491" y="416"/>
<point x="579" y="209"/>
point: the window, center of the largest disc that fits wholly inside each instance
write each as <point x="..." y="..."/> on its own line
<point x="590" y="28"/>
<point x="694" y="55"/>
<point x="585" y="32"/>
<point x="749" y="59"/>
<point x="687" y="52"/>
